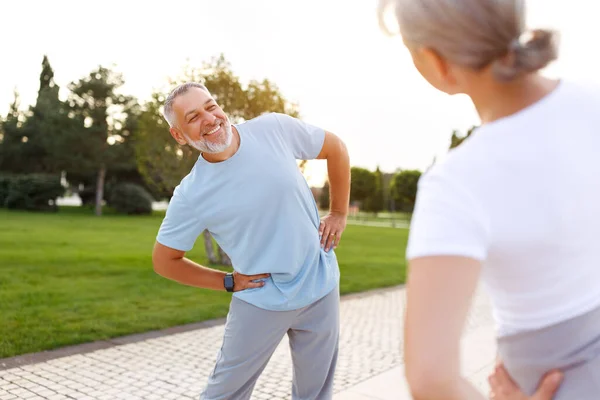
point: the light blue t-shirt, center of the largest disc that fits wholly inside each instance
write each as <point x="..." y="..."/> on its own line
<point x="260" y="210"/>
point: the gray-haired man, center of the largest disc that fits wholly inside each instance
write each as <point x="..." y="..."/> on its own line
<point x="247" y="190"/>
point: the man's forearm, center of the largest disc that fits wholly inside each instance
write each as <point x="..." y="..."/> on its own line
<point x="187" y="272"/>
<point x="338" y="170"/>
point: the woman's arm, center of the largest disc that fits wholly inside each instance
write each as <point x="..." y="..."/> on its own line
<point x="439" y="293"/>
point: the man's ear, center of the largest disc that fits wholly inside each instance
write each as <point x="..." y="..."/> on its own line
<point x="177" y="135"/>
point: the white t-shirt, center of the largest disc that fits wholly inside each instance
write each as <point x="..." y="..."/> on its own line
<point x="522" y="194"/>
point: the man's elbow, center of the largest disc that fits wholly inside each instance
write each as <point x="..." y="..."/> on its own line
<point x="166" y="260"/>
<point x="158" y="264"/>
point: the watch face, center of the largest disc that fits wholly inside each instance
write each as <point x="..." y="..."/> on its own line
<point x="228" y="282"/>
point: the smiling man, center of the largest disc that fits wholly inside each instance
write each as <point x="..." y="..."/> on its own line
<point x="247" y="190"/>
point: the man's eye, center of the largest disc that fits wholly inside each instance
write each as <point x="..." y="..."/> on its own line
<point x="193" y="119"/>
<point x="211" y="108"/>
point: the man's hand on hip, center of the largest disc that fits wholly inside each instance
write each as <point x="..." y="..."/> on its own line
<point x="331" y="229"/>
<point x="243" y="282"/>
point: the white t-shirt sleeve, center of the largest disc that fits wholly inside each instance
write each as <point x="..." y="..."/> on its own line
<point x="447" y="220"/>
<point x="304" y="140"/>
<point x="179" y="229"/>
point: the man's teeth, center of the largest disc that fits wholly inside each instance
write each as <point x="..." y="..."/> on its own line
<point x="216" y="128"/>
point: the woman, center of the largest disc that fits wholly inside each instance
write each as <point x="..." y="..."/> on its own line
<point x="517" y="205"/>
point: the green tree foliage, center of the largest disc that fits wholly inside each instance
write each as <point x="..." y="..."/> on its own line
<point x="404" y="189"/>
<point x="99" y="145"/>
<point x="362" y="183"/>
<point x="129" y="198"/>
<point x="375" y="202"/>
<point x="324" y="201"/>
<point x="32" y="141"/>
<point x="33" y="192"/>
<point x="11" y="158"/>
<point x="457" y="138"/>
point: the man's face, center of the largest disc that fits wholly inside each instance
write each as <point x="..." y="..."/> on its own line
<point x="200" y="122"/>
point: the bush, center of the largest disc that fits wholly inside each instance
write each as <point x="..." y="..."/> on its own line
<point x="129" y="198"/>
<point x="88" y="195"/>
<point x="34" y="192"/>
<point x="5" y="181"/>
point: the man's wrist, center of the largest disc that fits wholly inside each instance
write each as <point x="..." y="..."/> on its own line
<point x="229" y="282"/>
<point x="336" y="211"/>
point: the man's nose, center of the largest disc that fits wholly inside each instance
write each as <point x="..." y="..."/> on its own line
<point x="210" y="120"/>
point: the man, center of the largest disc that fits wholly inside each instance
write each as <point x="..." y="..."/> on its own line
<point x="247" y="190"/>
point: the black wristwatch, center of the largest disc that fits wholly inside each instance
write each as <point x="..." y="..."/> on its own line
<point x="228" y="282"/>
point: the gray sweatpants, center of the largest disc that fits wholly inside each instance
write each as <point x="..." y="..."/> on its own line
<point x="252" y="335"/>
<point x="572" y="346"/>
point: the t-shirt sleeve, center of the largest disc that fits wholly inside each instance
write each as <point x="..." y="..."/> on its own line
<point x="305" y="140"/>
<point x="447" y="220"/>
<point x="180" y="228"/>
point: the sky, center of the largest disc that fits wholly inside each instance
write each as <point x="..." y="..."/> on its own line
<point x="329" y="56"/>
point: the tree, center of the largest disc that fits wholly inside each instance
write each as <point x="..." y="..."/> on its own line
<point x="98" y="147"/>
<point x="386" y="180"/>
<point x="11" y="159"/>
<point x="457" y="139"/>
<point x="28" y="138"/>
<point x="162" y="162"/>
<point x="404" y="189"/>
<point x="264" y="97"/>
<point x="324" y="201"/>
<point x="48" y="126"/>
<point x="362" y="184"/>
<point x="375" y="201"/>
<point x="47" y="78"/>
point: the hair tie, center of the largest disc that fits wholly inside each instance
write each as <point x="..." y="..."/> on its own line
<point x="522" y="40"/>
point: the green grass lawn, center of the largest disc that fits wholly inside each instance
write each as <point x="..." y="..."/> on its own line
<point x="71" y="277"/>
<point x="395" y="219"/>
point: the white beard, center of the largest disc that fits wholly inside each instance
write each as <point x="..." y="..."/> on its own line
<point x="205" y="146"/>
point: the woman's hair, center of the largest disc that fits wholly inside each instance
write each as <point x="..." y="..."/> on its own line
<point x="476" y="33"/>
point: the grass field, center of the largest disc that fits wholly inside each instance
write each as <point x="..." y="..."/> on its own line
<point x="71" y="277"/>
<point x="396" y="219"/>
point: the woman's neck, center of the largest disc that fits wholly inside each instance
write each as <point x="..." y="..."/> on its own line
<point x="494" y="100"/>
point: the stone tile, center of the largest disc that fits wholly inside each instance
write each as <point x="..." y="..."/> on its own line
<point x="177" y="366"/>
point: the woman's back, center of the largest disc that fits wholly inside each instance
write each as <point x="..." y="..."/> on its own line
<point x="534" y="180"/>
<point x="518" y="203"/>
<point x="522" y="194"/>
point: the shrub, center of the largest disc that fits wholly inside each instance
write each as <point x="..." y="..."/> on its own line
<point x="87" y="195"/>
<point x="5" y="181"/>
<point x="34" y="192"/>
<point x="129" y="198"/>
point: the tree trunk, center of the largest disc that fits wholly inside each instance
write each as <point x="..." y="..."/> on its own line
<point x="100" y="189"/>
<point x="208" y="246"/>
<point x="224" y="258"/>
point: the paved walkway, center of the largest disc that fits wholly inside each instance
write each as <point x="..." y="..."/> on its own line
<point x="176" y="366"/>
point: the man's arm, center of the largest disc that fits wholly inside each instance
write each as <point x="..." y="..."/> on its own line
<point x="338" y="169"/>
<point x="172" y="264"/>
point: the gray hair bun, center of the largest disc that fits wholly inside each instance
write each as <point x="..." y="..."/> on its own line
<point x="528" y="53"/>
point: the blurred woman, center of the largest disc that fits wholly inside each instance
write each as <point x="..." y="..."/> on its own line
<point x="517" y="204"/>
